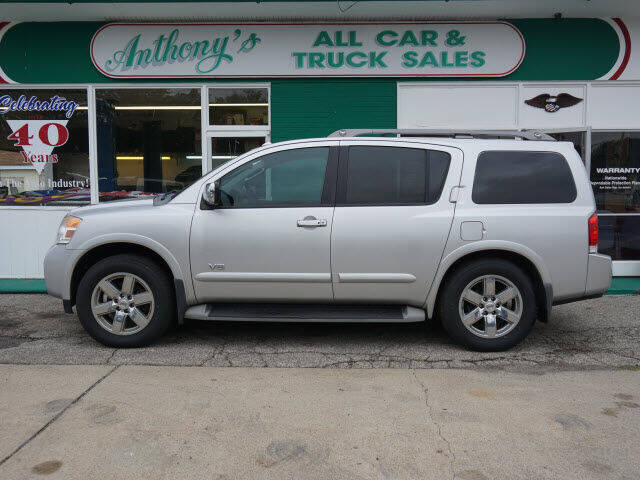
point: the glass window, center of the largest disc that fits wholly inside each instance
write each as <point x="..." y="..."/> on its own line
<point x="288" y="178"/>
<point x="394" y="175"/>
<point x="224" y="149"/>
<point x="619" y="236"/>
<point x="615" y="171"/>
<point x="615" y="179"/>
<point x="149" y="140"/>
<point x="577" y="138"/>
<point x="239" y="106"/>
<point x="518" y="177"/>
<point x="44" y="147"/>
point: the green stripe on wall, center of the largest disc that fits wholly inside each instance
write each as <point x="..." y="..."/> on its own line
<point x="562" y="49"/>
<point x="566" y="49"/>
<point x="625" y="286"/>
<point x="22" y="285"/>
<point x="619" y="285"/>
<point x="314" y="108"/>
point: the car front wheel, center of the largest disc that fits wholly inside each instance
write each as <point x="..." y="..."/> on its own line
<point x="126" y="301"/>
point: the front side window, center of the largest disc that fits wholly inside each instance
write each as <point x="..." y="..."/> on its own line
<point x="44" y="147"/>
<point x="287" y="178"/>
<point x="393" y="176"/>
<point x="520" y="177"/>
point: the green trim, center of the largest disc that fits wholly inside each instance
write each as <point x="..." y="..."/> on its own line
<point x="619" y="285"/>
<point x="566" y="49"/>
<point x="625" y="286"/>
<point x="563" y="49"/>
<point x="22" y="285"/>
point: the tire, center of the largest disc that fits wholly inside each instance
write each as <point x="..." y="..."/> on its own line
<point x="121" y="322"/>
<point x="488" y="334"/>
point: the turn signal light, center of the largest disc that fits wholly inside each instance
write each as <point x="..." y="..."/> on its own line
<point x="593" y="233"/>
<point x="67" y="228"/>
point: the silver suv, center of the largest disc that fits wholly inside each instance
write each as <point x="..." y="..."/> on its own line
<point x="481" y="233"/>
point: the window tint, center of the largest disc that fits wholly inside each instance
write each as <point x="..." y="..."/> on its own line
<point x="287" y="178"/>
<point x="394" y="176"/>
<point x="522" y="177"/>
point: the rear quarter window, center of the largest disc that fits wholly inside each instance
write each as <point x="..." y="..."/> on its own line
<point x="516" y="177"/>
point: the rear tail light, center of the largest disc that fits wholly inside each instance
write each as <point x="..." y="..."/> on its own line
<point x="593" y="233"/>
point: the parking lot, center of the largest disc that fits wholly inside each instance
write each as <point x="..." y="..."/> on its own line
<point x="594" y="334"/>
<point x="564" y="404"/>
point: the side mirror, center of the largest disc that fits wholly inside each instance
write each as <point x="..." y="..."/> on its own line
<point x="211" y="195"/>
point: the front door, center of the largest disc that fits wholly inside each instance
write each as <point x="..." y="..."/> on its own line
<point x="270" y="240"/>
<point x="392" y="219"/>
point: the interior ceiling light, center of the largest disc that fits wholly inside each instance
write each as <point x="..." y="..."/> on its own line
<point x="138" y="157"/>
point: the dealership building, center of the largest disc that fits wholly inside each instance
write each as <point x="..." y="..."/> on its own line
<point x="105" y="101"/>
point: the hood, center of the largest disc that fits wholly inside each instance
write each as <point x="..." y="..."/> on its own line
<point x="112" y="207"/>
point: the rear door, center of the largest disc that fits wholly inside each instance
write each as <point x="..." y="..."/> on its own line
<point x="392" y="218"/>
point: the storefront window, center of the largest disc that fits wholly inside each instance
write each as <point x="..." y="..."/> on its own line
<point x="149" y="141"/>
<point x="238" y="106"/>
<point x="44" y="147"/>
<point x="615" y="179"/>
<point x="577" y="138"/>
<point x="224" y="149"/>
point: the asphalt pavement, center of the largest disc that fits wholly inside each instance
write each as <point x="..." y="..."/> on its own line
<point x="384" y="401"/>
<point x="602" y="333"/>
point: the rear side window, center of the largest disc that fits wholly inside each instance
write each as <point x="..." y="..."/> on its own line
<point x="522" y="177"/>
<point x="392" y="176"/>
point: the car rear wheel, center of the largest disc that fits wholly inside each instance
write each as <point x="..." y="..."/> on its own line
<point x="126" y="301"/>
<point x="488" y="305"/>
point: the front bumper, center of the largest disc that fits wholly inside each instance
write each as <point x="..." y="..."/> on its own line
<point x="58" y="267"/>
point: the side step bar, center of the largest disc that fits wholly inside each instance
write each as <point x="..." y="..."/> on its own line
<point x="274" y="312"/>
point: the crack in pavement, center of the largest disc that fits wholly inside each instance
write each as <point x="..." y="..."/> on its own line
<point x="58" y="415"/>
<point x="452" y="455"/>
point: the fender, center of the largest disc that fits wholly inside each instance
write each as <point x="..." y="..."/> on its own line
<point x="143" y="241"/>
<point x="469" y="248"/>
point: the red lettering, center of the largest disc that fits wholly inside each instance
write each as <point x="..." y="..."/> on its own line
<point x="21" y="136"/>
<point x="63" y="134"/>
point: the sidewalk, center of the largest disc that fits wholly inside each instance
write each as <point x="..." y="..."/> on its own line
<point x="132" y="422"/>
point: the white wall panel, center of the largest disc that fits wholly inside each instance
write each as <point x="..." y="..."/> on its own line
<point x="27" y="234"/>
<point x="462" y="106"/>
<point x="614" y="105"/>
<point x="569" y="117"/>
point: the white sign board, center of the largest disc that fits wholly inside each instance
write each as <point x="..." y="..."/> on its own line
<point x="428" y="49"/>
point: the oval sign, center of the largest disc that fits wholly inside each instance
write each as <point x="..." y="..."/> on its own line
<point x="217" y="50"/>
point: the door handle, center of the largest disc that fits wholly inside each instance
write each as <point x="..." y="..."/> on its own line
<point x="311" y="222"/>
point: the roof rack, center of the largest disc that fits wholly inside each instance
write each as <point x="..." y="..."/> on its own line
<point x="428" y="132"/>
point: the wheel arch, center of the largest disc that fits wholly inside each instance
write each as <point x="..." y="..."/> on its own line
<point x="104" y="250"/>
<point x="520" y="255"/>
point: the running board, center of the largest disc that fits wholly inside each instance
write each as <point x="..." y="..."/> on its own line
<point x="274" y="312"/>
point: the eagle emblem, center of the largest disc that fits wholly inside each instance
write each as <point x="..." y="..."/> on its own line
<point x="553" y="103"/>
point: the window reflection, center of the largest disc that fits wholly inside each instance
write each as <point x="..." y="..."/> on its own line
<point x="224" y="149"/>
<point x="148" y="141"/>
<point x="615" y="179"/>
<point x="44" y="147"/>
<point x="238" y="106"/>
<point x="615" y="171"/>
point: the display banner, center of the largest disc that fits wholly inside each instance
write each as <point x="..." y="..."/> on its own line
<point x="429" y="49"/>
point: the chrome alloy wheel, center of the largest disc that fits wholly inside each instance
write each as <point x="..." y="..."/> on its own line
<point x="490" y="306"/>
<point x="122" y="303"/>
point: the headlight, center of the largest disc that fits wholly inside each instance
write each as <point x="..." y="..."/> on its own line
<point x="67" y="228"/>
